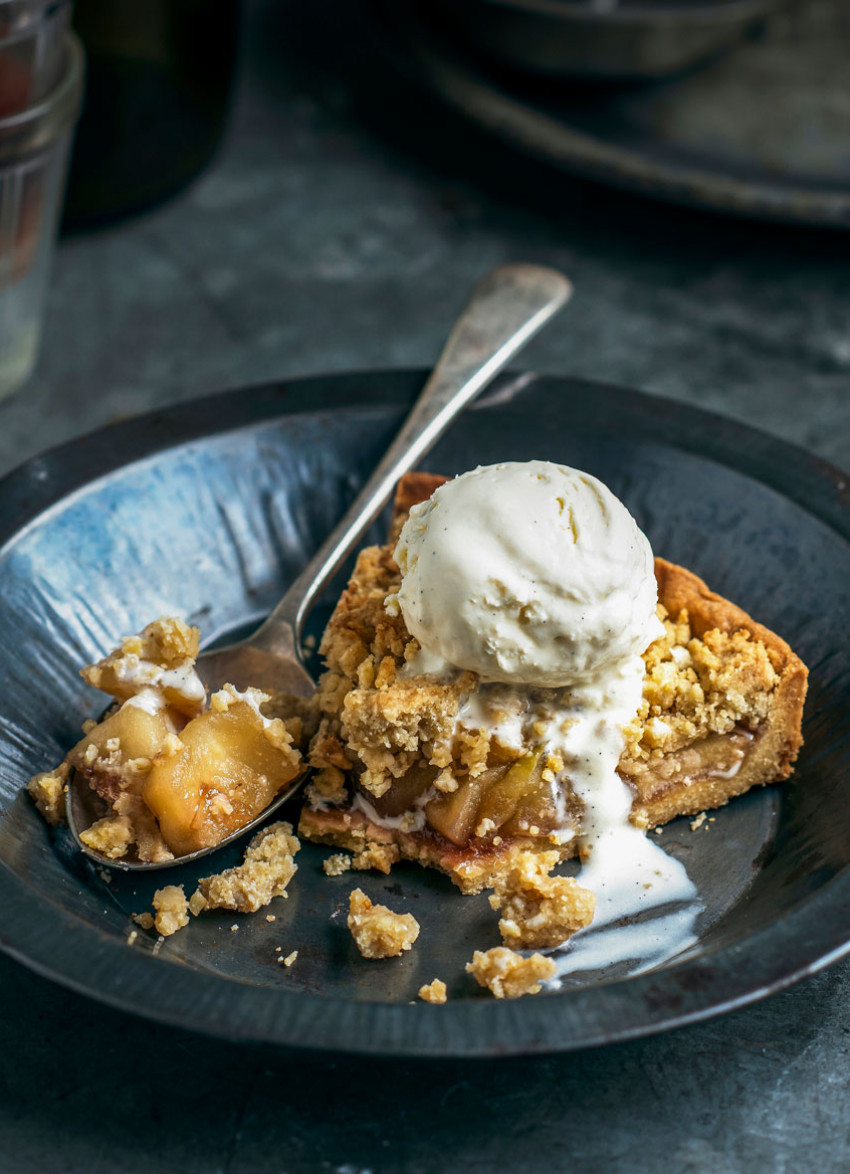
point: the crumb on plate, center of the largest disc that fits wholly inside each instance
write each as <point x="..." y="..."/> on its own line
<point x="540" y="911"/>
<point x="172" y="910"/>
<point x="267" y="869"/>
<point x="508" y="974"/>
<point x="433" y="992"/>
<point x="337" y="864"/>
<point x="377" y="931"/>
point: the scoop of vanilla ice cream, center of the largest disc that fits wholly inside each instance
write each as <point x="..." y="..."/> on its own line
<point x="527" y="572"/>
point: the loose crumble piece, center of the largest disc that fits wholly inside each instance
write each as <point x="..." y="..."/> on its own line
<point x="377" y="931"/>
<point x="540" y="911"/>
<point x="172" y="910"/>
<point x="264" y="874"/>
<point x="48" y="791"/>
<point x="290" y="959"/>
<point x="507" y="974"/>
<point x="197" y="903"/>
<point x="433" y="992"/>
<point x="337" y="864"/>
<point x="267" y="869"/>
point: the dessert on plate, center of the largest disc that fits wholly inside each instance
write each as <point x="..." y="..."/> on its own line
<point x="513" y="674"/>
<point x="511" y="680"/>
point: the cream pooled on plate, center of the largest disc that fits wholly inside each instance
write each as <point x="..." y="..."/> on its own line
<point x="527" y="573"/>
<point x="536" y="577"/>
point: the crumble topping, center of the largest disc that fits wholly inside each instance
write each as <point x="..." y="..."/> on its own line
<point x="337" y="864"/>
<point x="111" y="836"/>
<point x="699" y="685"/>
<point x="48" y="791"/>
<point x="540" y="911"/>
<point x="381" y="857"/>
<point x="267" y="869"/>
<point x="161" y="657"/>
<point x="172" y="910"/>
<point x="433" y="992"/>
<point x="460" y="757"/>
<point x="507" y="974"/>
<point x="377" y="931"/>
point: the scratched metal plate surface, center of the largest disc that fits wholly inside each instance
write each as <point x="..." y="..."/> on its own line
<point x="208" y="510"/>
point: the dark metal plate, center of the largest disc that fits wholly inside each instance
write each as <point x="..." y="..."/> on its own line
<point x="759" y="132"/>
<point x="208" y="509"/>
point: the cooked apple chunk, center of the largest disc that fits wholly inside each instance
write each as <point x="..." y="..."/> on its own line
<point x="220" y="772"/>
<point x="169" y="775"/>
<point x="117" y="754"/>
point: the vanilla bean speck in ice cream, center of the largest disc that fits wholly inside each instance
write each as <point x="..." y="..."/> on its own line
<point x="528" y="573"/>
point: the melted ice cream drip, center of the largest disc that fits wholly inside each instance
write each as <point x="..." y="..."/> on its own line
<point x="629" y="874"/>
<point x="535" y="575"/>
<point x="409" y="821"/>
<point x="646" y="903"/>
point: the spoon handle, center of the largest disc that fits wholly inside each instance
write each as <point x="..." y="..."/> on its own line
<point x="507" y="308"/>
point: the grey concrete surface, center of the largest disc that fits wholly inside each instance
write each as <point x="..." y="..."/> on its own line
<point x="341" y="226"/>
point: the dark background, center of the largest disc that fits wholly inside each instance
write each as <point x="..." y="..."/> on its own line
<point x="341" y="226"/>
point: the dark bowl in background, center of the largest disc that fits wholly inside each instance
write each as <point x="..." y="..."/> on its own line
<point x="632" y="40"/>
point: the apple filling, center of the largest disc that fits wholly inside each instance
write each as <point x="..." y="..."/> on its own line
<point x="221" y="771"/>
<point x="168" y="775"/>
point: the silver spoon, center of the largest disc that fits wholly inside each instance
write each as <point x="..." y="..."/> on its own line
<point x="507" y="308"/>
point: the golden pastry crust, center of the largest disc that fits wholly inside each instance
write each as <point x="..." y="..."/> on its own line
<point x="748" y="674"/>
<point x="721" y="712"/>
<point x="380" y="857"/>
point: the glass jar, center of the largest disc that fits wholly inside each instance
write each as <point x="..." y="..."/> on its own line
<point x="34" y="145"/>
